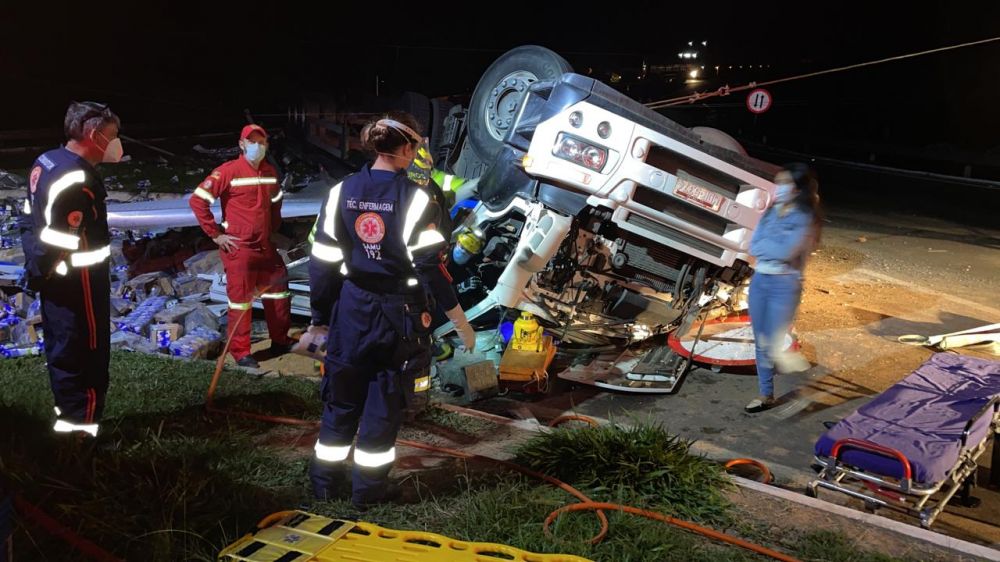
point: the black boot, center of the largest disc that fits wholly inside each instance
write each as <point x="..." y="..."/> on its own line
<point x="330" y="480"/>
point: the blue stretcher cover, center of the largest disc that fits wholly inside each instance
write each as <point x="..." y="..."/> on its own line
<point x="923" y="417"/>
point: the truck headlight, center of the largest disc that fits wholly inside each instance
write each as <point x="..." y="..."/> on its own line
<point x="580" y="152"/>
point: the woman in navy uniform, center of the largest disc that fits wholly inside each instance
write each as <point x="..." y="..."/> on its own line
<point x="375" y="268"/>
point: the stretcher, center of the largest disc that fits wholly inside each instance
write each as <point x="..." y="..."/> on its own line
<point x="916" y="445"/>
<point x="297" y="536"/>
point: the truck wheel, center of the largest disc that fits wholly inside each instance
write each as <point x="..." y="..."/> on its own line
<point x="500" y="90"/>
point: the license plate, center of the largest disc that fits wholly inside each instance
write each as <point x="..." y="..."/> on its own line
<point x="698" y="194"/>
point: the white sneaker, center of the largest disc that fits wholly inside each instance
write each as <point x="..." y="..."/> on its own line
<point x="760" y="404"/>
<point x="790" y="362"/>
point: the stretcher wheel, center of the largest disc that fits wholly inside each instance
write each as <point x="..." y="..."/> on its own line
<point x="812" y="492"/>
<point x="870" y="506"/>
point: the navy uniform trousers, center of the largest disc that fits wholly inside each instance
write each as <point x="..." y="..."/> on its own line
<point x="76" y="319"/>
<point x="379" y="344"/>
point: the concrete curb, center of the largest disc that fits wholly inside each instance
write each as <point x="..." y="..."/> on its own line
<point x="720" y="453"/>
<point x="937" y="539"/>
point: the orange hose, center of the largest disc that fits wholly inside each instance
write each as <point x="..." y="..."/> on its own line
<point x="586" y="504"/>
<point x="573" y="417"/>
<point x="544" y="477"/>
<point x="765" y="472"/>
<point x="687" y="525"/>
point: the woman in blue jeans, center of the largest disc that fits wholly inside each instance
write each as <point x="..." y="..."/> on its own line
<point x="785" y="236"/>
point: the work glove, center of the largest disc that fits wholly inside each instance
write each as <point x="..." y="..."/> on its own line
<point x="464" y="329"/>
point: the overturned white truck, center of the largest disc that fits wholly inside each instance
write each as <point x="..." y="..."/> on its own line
<point x="597" y="214"/>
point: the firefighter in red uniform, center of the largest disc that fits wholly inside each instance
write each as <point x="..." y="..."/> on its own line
<point x="250" y="195"/>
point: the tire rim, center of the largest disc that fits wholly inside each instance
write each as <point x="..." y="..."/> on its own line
<point x="504" y="100"/>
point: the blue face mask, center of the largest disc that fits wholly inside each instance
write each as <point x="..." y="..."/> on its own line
<point x="785" y="193"/>
<point x="254" y="152"/>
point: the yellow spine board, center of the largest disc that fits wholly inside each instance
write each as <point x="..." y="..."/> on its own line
<point x="297" y="536"/>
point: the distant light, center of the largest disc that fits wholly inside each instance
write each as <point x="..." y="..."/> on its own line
<point x="693" y="73"/>
<point x="690" y="43"/>
<point x="704" y="43"/>
<point x="694" y="55"/>
<point x="716" y="67"/>
<point x="703" y="67"/>
<point x="680" y="55"/>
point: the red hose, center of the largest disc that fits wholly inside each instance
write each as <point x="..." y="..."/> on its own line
<point x="58" y="530"/>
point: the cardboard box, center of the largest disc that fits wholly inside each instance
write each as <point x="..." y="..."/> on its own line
<point x="162" y="335"/>
<point x="204" y="262"/>
<point x="174" y="314"/>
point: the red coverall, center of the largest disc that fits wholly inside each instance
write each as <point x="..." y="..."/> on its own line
<point x="251" y="211"/>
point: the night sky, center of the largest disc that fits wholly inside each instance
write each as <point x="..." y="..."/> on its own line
<point x="204" y="62"/>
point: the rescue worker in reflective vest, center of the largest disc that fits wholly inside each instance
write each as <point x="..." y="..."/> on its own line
<point x="374" y="264"/>
<point x="250" y="196"/>
<point x="67" y="250"/>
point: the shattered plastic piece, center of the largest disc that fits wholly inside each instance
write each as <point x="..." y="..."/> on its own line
<point x="11" y="181"/>
<point x="23" y="334"/>
<point x="10" y="352"/>
<point x="35" y="309"/>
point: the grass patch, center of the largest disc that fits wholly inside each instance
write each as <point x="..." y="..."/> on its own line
<point x="181" y="485"/>
<point x="828" y="546"/>
<point x="511" y="511"/>
<point x="644" y="462"/>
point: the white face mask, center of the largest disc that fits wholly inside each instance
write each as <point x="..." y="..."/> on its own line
<point x="254" y="152"/>
<point x="113" y="151"/>
<point x="785" y="192"/>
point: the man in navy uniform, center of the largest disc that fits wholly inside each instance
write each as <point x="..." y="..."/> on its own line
<point x="66" y="247"/>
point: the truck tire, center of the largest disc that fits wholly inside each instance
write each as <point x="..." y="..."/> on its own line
<point x="499" y="93"/>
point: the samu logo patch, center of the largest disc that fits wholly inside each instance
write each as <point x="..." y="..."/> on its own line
<point x="370" y="228"/>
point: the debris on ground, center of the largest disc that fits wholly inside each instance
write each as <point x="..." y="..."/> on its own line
<point x="11" y="181"/>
